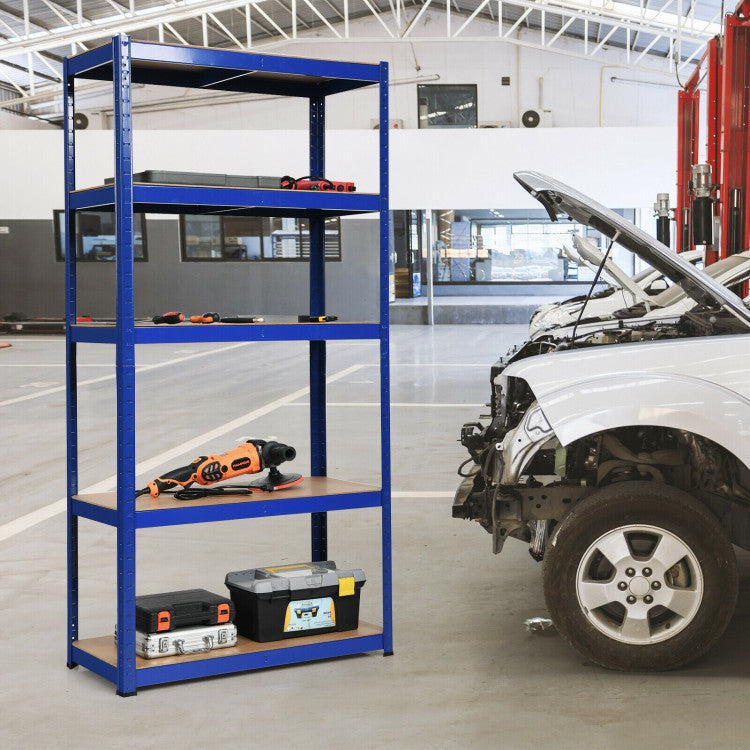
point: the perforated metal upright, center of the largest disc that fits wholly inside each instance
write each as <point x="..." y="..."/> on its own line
<point x="124" y="62"/>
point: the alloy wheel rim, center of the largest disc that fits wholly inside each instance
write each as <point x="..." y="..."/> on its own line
<point x="639" y="584"/>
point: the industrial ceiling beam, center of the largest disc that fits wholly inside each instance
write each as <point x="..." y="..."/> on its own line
<point x="98" y="28"/>
<point x="551" y="19"/>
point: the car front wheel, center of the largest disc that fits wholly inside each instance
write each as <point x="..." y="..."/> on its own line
<point x="640" y="577"/>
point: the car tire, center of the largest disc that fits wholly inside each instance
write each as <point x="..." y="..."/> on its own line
<point x="640" y="577"/>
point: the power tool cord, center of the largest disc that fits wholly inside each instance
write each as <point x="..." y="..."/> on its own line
<point x="195" y="493"/>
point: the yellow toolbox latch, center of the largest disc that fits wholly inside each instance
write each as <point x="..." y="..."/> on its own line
<point x="346" y="586"/>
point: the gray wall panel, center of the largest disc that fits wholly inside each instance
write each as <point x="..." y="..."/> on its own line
<point x="32" y="282"/>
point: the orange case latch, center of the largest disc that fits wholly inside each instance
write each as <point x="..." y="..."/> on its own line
<point x="223" y="613"/>
<point x="163" y="620"/>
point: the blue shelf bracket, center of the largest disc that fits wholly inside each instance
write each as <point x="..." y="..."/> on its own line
<point x="71" y="383"/>
<point x="385" y="378"/>
<point x="125" y="368"/>
<point x="319" y="521"/>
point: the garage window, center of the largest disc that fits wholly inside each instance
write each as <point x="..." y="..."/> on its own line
<point x="447" y="106"/>
<point x="240" y="238"/>
<point x="477" y="246"/>
<point x="95" y="236"/>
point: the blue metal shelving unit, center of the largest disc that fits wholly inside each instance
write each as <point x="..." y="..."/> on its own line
<point x="125" y="62"/>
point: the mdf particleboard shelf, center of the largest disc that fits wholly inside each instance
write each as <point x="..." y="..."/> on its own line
<point x="312" y="495"/>
<point x="309" y="487"/>
<point x="105" y="649"/>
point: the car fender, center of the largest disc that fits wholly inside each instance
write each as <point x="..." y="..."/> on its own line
<point x="679" y="402"/>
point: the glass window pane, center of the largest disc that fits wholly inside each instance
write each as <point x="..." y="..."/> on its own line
<point x="202" y="237"/>
<point x="332" y="238"/>
<point x="282" y="240"/>
<point x="233" y="238"/>
<point x="243" y="238"/>
<point x="447" y="106"/>
<point x="95" y="234"/>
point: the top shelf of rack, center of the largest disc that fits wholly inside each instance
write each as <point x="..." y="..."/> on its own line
<point x="227" y="70"/>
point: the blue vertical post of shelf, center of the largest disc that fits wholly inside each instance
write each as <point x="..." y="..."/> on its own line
<point x="319" y="521"/>
<point x="385" y="378"/>
<point x="124" y="368"/>
<point x="71" y="383"/>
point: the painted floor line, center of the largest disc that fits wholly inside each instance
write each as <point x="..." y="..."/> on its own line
<point x="48" y="364"/>
<point x="399" y="404"/>
<point x="140" y="369"/>
<point x="421" y="493"/>
<point x="148" y="466"/>
<point x="434" y="364"/>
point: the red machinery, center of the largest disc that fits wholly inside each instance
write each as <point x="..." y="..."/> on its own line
<point x="722" y="199"/>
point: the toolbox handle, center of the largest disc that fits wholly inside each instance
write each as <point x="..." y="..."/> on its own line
<point x="207" y="639"/>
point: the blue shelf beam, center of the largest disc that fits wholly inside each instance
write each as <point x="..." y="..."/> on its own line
<point x="216" y="665"/>
<point x="92" y="663"/>
<point x="258" y="660"/>
<point x="200" y="67"/>
<point x="216" y="332"/>
<point x="229" y="201"/>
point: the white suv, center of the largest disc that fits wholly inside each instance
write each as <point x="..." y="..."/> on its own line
<point x="621" y="454"/>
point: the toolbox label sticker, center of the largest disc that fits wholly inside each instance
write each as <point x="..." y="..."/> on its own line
<point x="310" y="614"/>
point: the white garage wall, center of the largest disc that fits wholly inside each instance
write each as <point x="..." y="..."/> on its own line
<point x="621" y="167"/>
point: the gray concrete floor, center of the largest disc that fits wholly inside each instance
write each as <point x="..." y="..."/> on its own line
<point x="465" y="673"/>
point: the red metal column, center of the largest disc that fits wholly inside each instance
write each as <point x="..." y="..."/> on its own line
<point x="735" y="151"/>
<point x="687" y="154"/>
<point x="714" y="75"/>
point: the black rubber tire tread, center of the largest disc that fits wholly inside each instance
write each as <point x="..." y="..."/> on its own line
<point x="658" y="505"/>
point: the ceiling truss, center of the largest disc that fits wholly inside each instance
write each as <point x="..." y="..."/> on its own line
<point x="669" y="38"/>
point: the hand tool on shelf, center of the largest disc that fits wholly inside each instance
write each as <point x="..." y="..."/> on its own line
<point x="251" y="457"/>
<point x="170" y="317"/>
<point x="316" y="183"/>
<point x="316" y="318"/>
<point x="243" y="319"/>
<point x="209" y="317"/>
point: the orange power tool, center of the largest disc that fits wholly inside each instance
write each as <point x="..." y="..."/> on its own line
<point x="249" y="458"/>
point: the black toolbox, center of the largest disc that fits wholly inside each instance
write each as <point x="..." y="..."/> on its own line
<point x="155" y="613"/>
<point x="289" y="601"/>
<point x="205" y="179"/>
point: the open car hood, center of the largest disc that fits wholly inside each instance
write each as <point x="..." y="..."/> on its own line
<point x="560" y="199"/>
<point x="590" y="252"/>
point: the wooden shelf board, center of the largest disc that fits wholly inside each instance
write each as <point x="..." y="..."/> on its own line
<point x="104" y="648"/>
<point x="309" y="487"/>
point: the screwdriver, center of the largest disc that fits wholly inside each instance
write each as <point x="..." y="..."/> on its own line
<point x="209" y="317"/>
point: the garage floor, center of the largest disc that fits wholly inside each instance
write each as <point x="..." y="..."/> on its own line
<point x="465" y="672"/>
